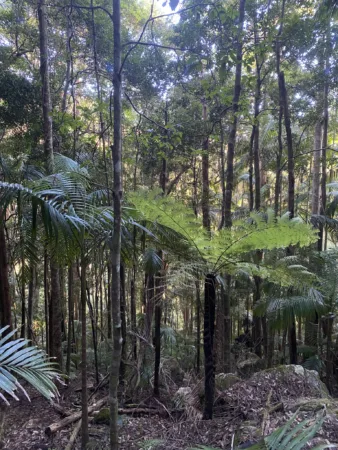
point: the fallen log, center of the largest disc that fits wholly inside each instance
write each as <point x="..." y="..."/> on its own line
<point x="54" y="427"/>
<point x="73" y="436"/>
<point x="60" y="409"/>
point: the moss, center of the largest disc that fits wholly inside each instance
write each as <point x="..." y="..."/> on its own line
<point x="102" y="417"/>
<point x="225" y="381"/>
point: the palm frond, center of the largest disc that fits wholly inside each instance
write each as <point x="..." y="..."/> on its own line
<point x="290" y="437"/>
<point x="28" y="363"/>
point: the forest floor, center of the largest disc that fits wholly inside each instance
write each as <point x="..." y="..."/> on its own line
<point x="242" y="412"/>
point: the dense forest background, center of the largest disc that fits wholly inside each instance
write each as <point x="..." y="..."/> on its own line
<point x="168" y="191"/>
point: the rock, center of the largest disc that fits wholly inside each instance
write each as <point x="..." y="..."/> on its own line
<point x="311" y="377"/>
<point x="249" y="431"/>
<point x="102" y="417"/>
<point x="225" y="381"/>
<point x="183" y="397"/>
<point x="250" y="365"/>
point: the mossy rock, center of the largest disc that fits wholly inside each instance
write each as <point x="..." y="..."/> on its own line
<point x="250" y="365"/>
<point x="311" y="376"/>
<point x="316" y="404"/>
<point x="224" y="381"/>
<point x="248" y="431"/>
<point x="102" y="417"/>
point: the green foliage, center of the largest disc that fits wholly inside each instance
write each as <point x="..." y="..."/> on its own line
<point x="291" y="437"/>
<point x="222" y="249"/>
<point x="28" y="363"/>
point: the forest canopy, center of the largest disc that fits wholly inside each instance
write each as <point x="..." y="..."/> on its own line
<point x="168" y="198"/>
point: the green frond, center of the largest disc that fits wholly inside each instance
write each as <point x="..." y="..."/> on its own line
<point x="28" y="363"/>
<point x="293" y="437"/>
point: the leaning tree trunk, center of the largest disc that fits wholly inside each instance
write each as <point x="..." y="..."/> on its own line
<point x="116" y="243"/>
<point x="209" y="331"/>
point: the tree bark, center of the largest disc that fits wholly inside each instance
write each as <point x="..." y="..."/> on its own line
<point x="233" y="126"/>
<point x="84" y="397"/>
<point x="46" y="97"/>
<point x="198" y="327"/>
<point x="205" y="177"/>
<point x="208" y="340"/>
<point x="123" y="327"/>
<point x="5" y="298"/>
<point x="316" y="168"/>
<point x="116" y="243"/>
<point x="55" y="315"/>
<point x="157" y="336"/>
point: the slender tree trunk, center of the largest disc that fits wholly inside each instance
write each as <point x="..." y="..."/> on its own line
<point x="5" y="299"/>
<point x="46" y="97"/>
<point x="55" y="316"/>
<point x="222" y="176"/>
<point x="32" y="291"/>
<point x="84" y="397"/>
<point x="157" y="337"/>
<point x="205" y="177"/>
<point x="70" y="317"/>
<point x="209" y="330"/>
<point x="23" y="299"/>
<point x="230" y="169"/>
<point x="227" y="325"/>
<point x="116" y="244"/>
<point x="55" y="338"/>
<point x="316" y="168"/>
<point x="109" y="302"/>
<point x="198" y="327"/>
<point x="278" y="188"/>
<point x="233" y="126"/>
<point x="123" y="327"/>
<point x="321" y="243"/>
<point x="46" y="299"/>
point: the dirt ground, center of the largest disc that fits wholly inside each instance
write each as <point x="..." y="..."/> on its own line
<point x="240" y="412"/>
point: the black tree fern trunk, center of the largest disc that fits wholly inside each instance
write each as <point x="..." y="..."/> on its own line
<point x="209" y="330"/>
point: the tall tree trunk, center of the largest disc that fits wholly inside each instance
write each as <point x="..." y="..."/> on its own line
<point x="230" y="169"/>
<point x="222" y="176"/>
<point x="84" y="397"/>
<point x="205" y="177"/>
<point x="55" y="338"/>
<point x="316" y="168"/>
<point x="5" y="298"/>
<point x="32" y="291"/>
<point x="233" y="126"/>
<point x="321" y="244"/>
<point x="198" y="327"/>
<point x="209" y="330"/>
<point x="291" y="199"/>
<point x="123" y="327"/>
<point x="109" y="301"/>
<point x="46" y="97"/>
<point x="287" y="123"/>
<point x="157" y="336"/>
<point x="227" y="325"/>
<point x="257" y="321"/>
<point x="278" y="188"/>
<point x="70" y="317"/>
<point x="116" y="244"/>
<point x="55" y="315"/>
